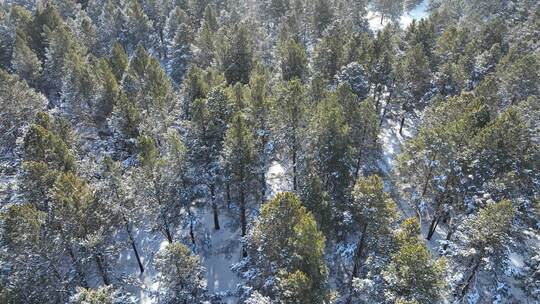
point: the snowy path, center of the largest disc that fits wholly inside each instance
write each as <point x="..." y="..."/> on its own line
<point x="224" y="250"/>
<point x="391" y="142"/>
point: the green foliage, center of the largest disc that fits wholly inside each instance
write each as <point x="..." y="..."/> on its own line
<point x="285" y="238"/>
<point x="491" y="227"/>
<point x="413" y="274"/>
<point x="373" y="208"/>
<point x="293" y="60"/>
<point x="239" y="152"/>
<point x="43" y="145"/>
<point x="328" y="146"/>
<point x="293" y="287"/>
<point x="19" y="104"/>
<point x="102" y="295"/>
<point x="22" y="226"/>
<point x="181" y="275"/>
<point x="25" y="62"/>
<point x="237" y="53"/>
<point x="322" y="16"/>
<point x="118" y="61"/>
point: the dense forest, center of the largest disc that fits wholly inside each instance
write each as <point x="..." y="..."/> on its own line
<point x="269" y="151"/>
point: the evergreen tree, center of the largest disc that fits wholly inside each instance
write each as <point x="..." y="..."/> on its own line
<point x="118" y="61"/>
<point x="206" y="40"/>
<point x="180" y="52"/>
<point x="328" y="149"/>
<point x="374" y="214"/>
<point x="322" y="16"/>
<point x="101" y="295"/>
<point x="414" y="276"/>
<point x="25" y="62"/>
<point x="237" y="54"/>
<point x="413" y="81"/>
<point x="389" y="8"/>
<point x="195" y="87"/>
<point x="293" y="60"/>
<point x="328" y="57"/>
<point x="258" y="109"/>
<point x="487" y="234"/>
<point x="208" y="127"/>
<point x="239" y="158"/>
<point x="289" y="120"/>
<point x="19" y="104"/>
<point x="139" y="28"/>
<point x="181" y="275"/>
<point x="285" y="242"/>
<point x="160" y="182"/>
<point x="149" y="89"/>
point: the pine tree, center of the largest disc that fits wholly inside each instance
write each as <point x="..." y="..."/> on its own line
<point x="180" y="52"/>
<point x="19" y="104"/>
<point x="195" y="87"/>
<point x="322" y="16"/>
<point x="208" y="127"/>
<point x="112" y="22"/>
<point x="181" y="275"/>
<point x="139" y="28"/>
<point x="355" y="76"/>
<point x="258" y="109"/>
<point x="289" y="119"/>
<point x="328" y="57"/>
<point x="118" y="61"/>
<point x="160" y="183"/>
<point x="239" y="158"/>
<point x="414" y="275"/>
<point x="237" y="54"/>
<point x="414" y="80"/>
<point x="149" y="89"/>
<point x="25" y="62"/>
<point x="293" y="60"/>
<point x="101" y="295"/>
<point x="108" y="93"/>
<point x="61" y="42"/>
<point x="363" y="123"/>
<point x="206" y="40"/>
<point x="487" y="234"/>
<point x="328" y="150"/>
<point x="389" y="8"/>
<point x="374" y="215"/>
<point x="285" y="242"/>
<point x="32" y="261"/>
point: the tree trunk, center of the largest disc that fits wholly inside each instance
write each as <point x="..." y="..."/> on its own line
<point x="356" y="262"/>
<point x="99" y="261"/>
<point x="470" y="279"/>
<point x="433" y="227"/>
<point x="166" y="229"/>
<point x="80" y="273"/>
<point x="358" y="165"/>
<point x="294" y="168"/>
<point x="133" y="245"/>
<point x="358" y="253"/>
<point x="448" y="234"/>
<point x="214" y="207"/>
<point x="191" y="233"/>
<point x="228" y="193"/>
<point x="428" y="177"/>
<point x="243" y="221"/>
<point x="382" y="18"/>
<point x="263" y="186"/>
<point x="401" y="125"/>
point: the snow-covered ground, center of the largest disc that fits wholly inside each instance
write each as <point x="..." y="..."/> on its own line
<point x="419" y="12"/>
